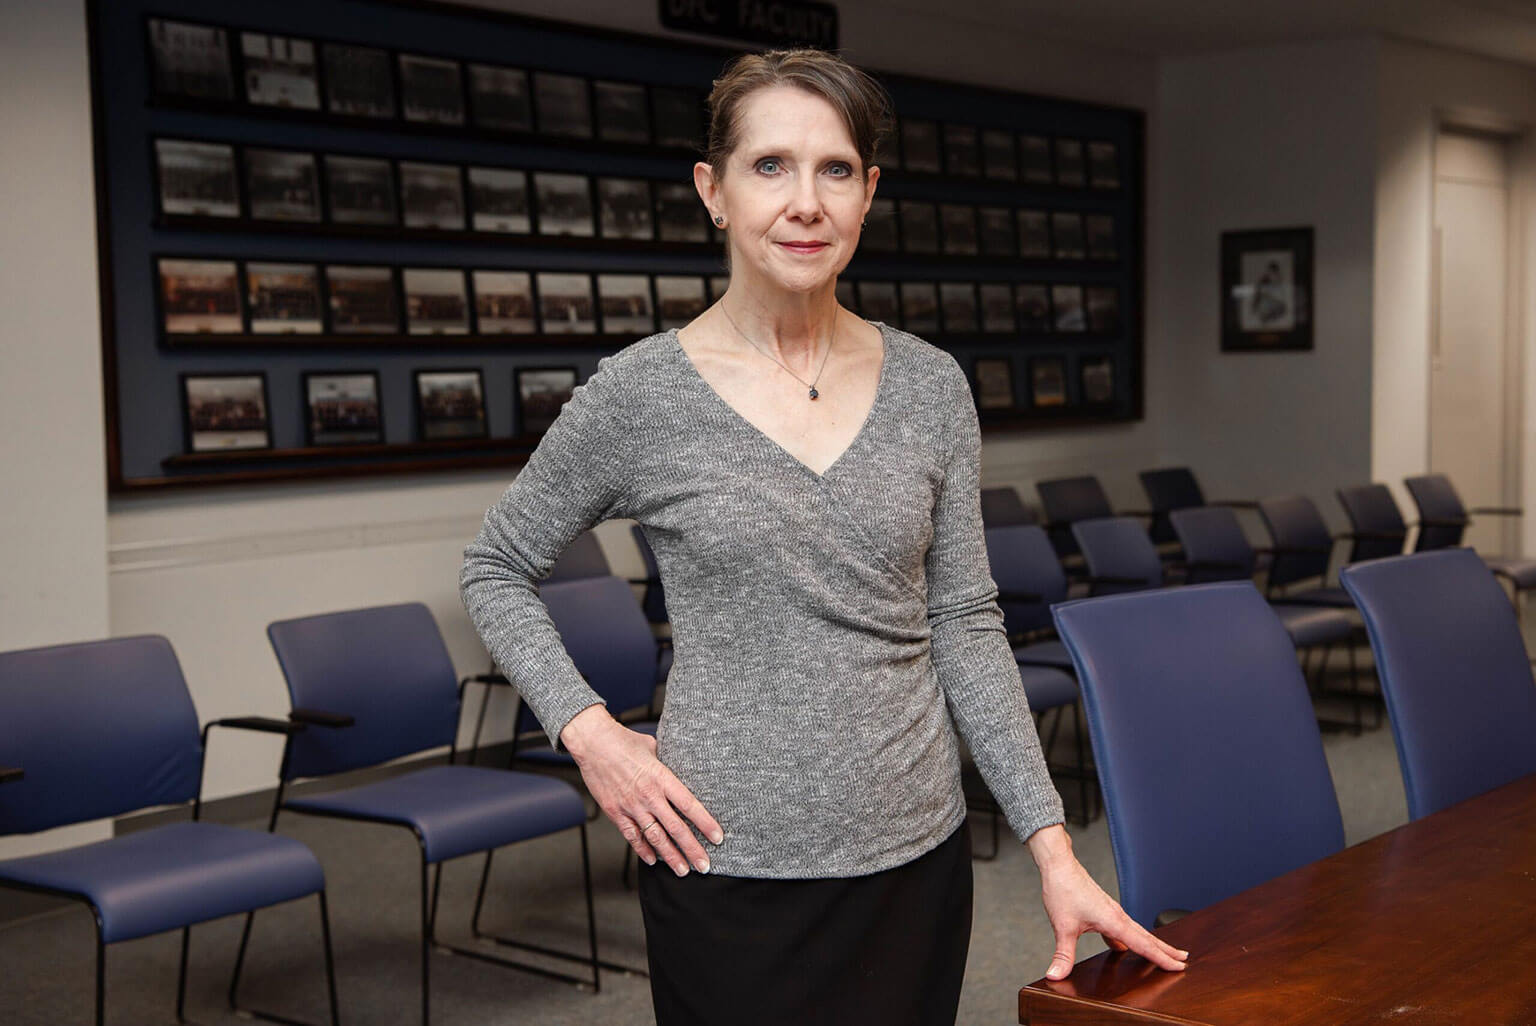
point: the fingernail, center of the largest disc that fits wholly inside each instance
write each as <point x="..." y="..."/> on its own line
<point x="651" y="861"/>
<point x="717" y="836"/>
<point x="703" y="865"/>
<point x="681" y="869"/>
<point x="1184" y="956"/>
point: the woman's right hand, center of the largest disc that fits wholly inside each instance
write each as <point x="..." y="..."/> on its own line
<point x="641" y="796"/>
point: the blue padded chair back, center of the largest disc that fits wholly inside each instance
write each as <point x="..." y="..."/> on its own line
<point x="100" y="728"/>
<point x="1065" y="501"/>
<point x="1119" y="547"/>
<point x="1373" y="513"/>
<point x="607" y="637"/>
<point x="386" y="667"/>
<point x="1023" y="560"/>
<point x="582" y="558"/>
<point x="1295" y="525"/>
<point x="1002" y="507"/>
<point x="1442" y="517"/>
<point x="1169" y="489"/>
<point x="1213" y="770"/>
<point x="1454" y="671"/>
<point x="655" y="601"/>
<point x="1215" y="547"/>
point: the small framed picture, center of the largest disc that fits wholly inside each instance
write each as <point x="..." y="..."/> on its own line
<point x="879" y="233"/>
<point x="1100" y="229"/>
<point x="504" y="303"/>
<point x="561" y="105"/>
<point x="1266" y="290"/>
<point x="498" y="200"/>
<point x="1035" y="160"/>
<point x="1067" y="306"/>
<point x="996" y="226"/>
<point x="1103" y="302"/>
<point x="962" y="155"/>
<point x="1098" y="380"/>
<point x="1103" y="165"/>
<point x="997" y="316"/>
<point x="431" y="195"/>
<point x="1047" y="381"/>
<point x="279" y="71"/>
<point x="680" y="216"/>
<point x="197" y="179"/>
<point x="565" y="304"/>
<point x="999" y="155"/>
<point x="847" y="295"/>
<point x="283" y="299"/>
<point x="919" y="226"/>
<point x="564" y="204"/>
<point x="1067" y="235"/>
<point x="957" y="301"/>
<point x="718" y="283"/>
<point x="190" y="60"/>
<point x="343" y="408"/>
<point x="431" y="90"/>
<point x="200" y="297"/>
<point x="361" y="190"/>
<point x="959" y="225"/>
<point x="623" y="115"/>
<point x="992" y="378"/>
<point x="1070" y="170"/>
<point x="358" y="81"/>
<point x="920" y="146"/>
<point x="677" y="117"/>
<point x="225" y="412"/>
<point x="878" y="301"/>
<point x="499" y="98"/>
<point x="450" y="404"/>
<point x="541" y="392"/>
<point x="282" y="185"/>
<point x="625" y="301"/>
<point x="1032" y="302"/>
<point x="435" y="301"/>
<point x="363" y="300"/>
<point x="919" y="306"/>
<point x="1034" y="235"/>
<point x="624" y="208"/>
<point x="679" y="299"/>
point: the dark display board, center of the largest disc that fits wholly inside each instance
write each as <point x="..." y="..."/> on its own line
<point x="357" y="236"/>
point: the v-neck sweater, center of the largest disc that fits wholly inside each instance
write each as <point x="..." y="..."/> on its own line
<point x="830" y="631"/>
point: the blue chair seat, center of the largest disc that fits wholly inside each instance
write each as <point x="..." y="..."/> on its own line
<point x="1309" y="626"/>
<point x="1044" y="653"/>
<point x="458" y="809"/>
<point x="1047" y="687"/>
<point x="1521" y="571"/>
<point x="547" y="756"/>
<point x="173" y="876"/>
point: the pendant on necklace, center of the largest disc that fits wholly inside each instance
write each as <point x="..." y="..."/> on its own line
<point x="814" y="393"/>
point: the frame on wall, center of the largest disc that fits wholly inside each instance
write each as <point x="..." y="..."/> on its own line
<point x="1266" y="290"/>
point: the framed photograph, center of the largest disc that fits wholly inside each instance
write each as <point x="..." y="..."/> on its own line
<point x="1067" y="235"/>
<point x="504" y="303"/>
<point x="363" y="300"/>
<point x="1097" y="375"/>
<point x="564" y="204"/>
<point x="197" y="179"/>
<point x="1103" y="303"/>
<point x="283" y="299"/>
<point x="919" y="226"/>
<point x="450" y="404"/>
<point x="962" y="153"/>
<point x="625" y="302"/>
<point x="431" y="195"/>
<point x="1266" y="290"/>
<point x="361" y="190"/>
<point x="847" y="296"/>
<point x="1070" y="169"/>
<point x="623" y="115"/>
<point x="225" y="412"/>
<point x="878" y="302"/>
<point x="190" y="60"/>
<point x="999" y="155"/>
<point x="343" y="408"/>
<point x="1100" y="229"/>
<point x="279" y="71"/>
<point x="879" y="232"/>
<point x="541" y="391"/>
<point x="920" y="146"/>
<point x="992" y="378"/>
<point x="200" y="297"/>
<point x="561" y="105"/>
<point x="1032" y="302"/>
<point x="680" y="216"/>
<point x="718" y="283"/>
<point x="1034" y="235"/>
<point x="1103" y="165"/>
<point x="282" y="185"/>
<point x="957" y="302"/>
<point x="997" y="315"/>
<point x="959" y="224"/>
<point x="435" y="301"/>
<point x="358" y="81"/>
<point x="679" y="299"/>
<point x="1067" y="306"/>
<point x="1035" y="160"/>
<point x="920" y="306"/>
<point x="624" y="208"/>
<point x="565" y="304"/>
<point x="677" y="117"/>
<point x="498" y="200"/>
<point x="500" y="98"/>
<point x="431" y="90"/>
<point x="1047" y="381"/>
<point x="996" y="231"/>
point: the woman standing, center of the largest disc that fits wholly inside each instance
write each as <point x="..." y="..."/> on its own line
<point x="809" y="482"/>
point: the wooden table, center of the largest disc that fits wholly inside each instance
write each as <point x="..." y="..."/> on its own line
<point x="1431" y="923"/>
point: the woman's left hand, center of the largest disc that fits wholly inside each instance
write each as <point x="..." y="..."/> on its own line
<point x="1076" y="904"/>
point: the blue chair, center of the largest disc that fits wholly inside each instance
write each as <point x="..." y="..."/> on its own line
<point x="377" y="684"/>
<point x="1066" y="500"/>
<point x="1301" y="553"/>
<point x="1377" y="528"/>
<point x="106" y="728"/>
<point x="1213" y="770"/>
<point x="1169" y="489"/>
<point x="582" y="558"/>
<point x="1443" y="520"/>
<point x="655" y="600"/>
<point x="1119" y="555"/>
<point x="1455" y="671"/>
<point x="1002" y="507"/>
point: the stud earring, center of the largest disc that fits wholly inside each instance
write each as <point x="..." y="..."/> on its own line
<point x="719" y="220"/>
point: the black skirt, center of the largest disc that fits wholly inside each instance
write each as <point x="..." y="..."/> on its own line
<point x="887" y="948"/>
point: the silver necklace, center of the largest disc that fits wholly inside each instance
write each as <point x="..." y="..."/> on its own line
<point x="811" y="385"/>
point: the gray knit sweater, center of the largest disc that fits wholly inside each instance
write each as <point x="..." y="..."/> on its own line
<point x="830" y="630"/>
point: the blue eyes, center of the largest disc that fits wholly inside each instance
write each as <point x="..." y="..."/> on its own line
<point x="770" y="166"/>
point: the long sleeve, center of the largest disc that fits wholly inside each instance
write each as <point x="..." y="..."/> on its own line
<point x="575" y="478"/>
<point x="970" y="650"/>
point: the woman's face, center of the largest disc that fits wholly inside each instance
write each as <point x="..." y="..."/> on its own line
<point x="791" y="193"/>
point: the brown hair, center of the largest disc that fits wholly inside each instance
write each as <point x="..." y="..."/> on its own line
<point x="863" y="103"/>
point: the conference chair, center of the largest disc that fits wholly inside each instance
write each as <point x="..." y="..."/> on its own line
<point x="105" y="728"/>
<point x="1301" y="553"/>
<point x="1212" y="767"/>
<point x="1377" y="528"/>
<point x="1066" y="500"/>
<point x="1455" y="673"/>
<point x="582" y="558"/>
<point x="1443" y="520"/>
<point x="376" y="685"/>
<point x="1119" y="555"/>
<point x="654" y="602"/>
<point x="1002" y="507"/>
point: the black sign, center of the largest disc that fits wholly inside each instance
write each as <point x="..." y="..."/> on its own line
<point x="777" y="22"/>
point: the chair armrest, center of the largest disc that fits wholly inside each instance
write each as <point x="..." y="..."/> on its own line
<point x="265" y="724"/>
<point x="1119" y="580"/>
<point x="1216" y="564"/>
<point x="1300" y="550"/>
<point x="10" y="774"/>
<point x="643" y="580"/>
<point x="1236" y="503"/>
<point x="1020" y="596"/>
<point x="321" y="718"/>
<point x="1440" y="523"/>
<point x="1136" y="513"/>
<point x="1497" y="511"/>
<point x="1369" y="536"/>
<point x="495" y="680"/>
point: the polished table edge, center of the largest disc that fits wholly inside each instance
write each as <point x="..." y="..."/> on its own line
<point x="1046" y="1008"/>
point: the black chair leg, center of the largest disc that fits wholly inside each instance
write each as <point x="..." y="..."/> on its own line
<point x="181" y="979"/>
<point x="426" y="948"/>
<point x="101" y="976"/>
<point x="234" y="981"/>
<point x="330" y="961"/>
<point x="586" y="880"/>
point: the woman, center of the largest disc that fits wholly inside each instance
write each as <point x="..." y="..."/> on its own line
<point x="809" y="482"/>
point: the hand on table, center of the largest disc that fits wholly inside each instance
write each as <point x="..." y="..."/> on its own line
<point x="641" y="796"/>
